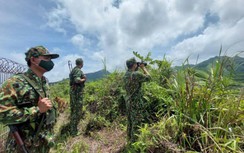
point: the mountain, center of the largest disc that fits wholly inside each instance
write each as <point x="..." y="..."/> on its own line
<point x="90" y="76"/>
<point x="96" y="75"/>
<point x="233" y="64"/>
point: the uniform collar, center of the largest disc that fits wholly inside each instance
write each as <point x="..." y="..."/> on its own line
<point x="34" y="77"/>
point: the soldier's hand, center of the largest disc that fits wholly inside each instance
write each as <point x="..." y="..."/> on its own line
<point x="83" y="79"/>
<point x="142" y="66"/>
<point x="144" y="69"/>
<point x="44" y="104"/>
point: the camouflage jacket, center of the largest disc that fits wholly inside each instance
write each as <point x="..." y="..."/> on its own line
<point x="19" y="101"/>
<point x="75" y="75"/>
<point x="133" y="82"/>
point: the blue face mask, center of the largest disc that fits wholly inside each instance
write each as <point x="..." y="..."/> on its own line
<point x="47" y="65"/>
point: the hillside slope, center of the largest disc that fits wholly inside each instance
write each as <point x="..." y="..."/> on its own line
<point x="234" y="65"/>
<point x="96" y="75"/>
<point x="90" y="76"/>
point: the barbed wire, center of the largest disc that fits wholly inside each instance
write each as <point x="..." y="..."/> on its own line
<point x="7" y="69"/>
<point x="9" y="66"/>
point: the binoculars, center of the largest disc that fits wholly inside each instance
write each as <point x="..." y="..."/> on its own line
<point x="139" y="63"/>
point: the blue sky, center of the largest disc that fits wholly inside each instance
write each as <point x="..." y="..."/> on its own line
<point x="111" y="29"/>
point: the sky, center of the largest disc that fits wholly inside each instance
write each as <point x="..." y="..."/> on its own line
<point x="106" y="32"/>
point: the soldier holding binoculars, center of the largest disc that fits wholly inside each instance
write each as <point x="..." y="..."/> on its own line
<point x="135" y="108"/>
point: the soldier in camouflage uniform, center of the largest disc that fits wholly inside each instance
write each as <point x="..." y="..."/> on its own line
<point x="77" y="84"/>
<point x="25" y="103"/>
<point x="135" y="107"/>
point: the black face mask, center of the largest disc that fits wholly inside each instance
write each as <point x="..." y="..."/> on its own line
<point x="47" y="65"/>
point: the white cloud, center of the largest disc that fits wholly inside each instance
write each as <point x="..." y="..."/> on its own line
<point x="56" y="19"/>
<point x="143" y="25"/>
<point x="226" y="34"/>
<point x="18" y="57"/>
<point x="228" y="11"/>
<point x="61" y="68"/>
<point x="81" y="42"/>
<point x="97" y="29"/>
<point x="78" y="40"/>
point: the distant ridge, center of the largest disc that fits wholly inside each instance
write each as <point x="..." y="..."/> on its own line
<point x="90" y="76"/>
<point x="97" y="75"/>
<point x="235" y="63"/>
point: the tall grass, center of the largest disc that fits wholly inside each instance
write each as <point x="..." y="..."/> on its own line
<point x="208" y="115"/>
<point x="190" y="110"/>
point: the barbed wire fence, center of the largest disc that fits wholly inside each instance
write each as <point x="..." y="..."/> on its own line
<point x="7" y="69"/>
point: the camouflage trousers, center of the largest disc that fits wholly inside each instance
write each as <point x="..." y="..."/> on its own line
<point x="133" y="124"/>
<point x="135" y="118"/>
<point x="12" y="147"/>
<point x="76" y="105"/>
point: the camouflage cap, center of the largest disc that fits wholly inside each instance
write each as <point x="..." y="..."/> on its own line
<point x="130" y="62"/>
<point x="79" y="61"/>
<point x="39" y="51"/>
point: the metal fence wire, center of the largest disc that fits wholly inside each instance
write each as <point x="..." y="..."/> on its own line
<point x="7" y="69"/>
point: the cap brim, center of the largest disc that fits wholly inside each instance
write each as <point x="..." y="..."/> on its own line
<point x="52" y="55"/>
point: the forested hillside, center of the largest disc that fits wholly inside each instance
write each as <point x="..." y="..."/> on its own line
<point x="96" y="75"/>
<point x="233" y="66"/>
<point x="190" y="110"/>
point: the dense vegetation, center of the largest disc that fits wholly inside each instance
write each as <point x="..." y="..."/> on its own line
<point x="190" y="109"/>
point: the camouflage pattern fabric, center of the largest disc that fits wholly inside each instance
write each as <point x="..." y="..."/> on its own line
<point x="135" y="108"/>
<point x="76" y="98"/>
<point x="18" y="106"/>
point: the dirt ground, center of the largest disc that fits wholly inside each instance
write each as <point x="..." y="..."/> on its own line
<point x="107" y="140"/>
